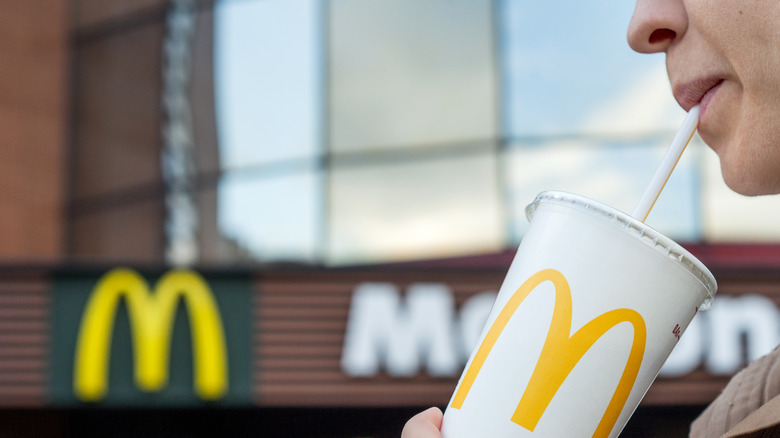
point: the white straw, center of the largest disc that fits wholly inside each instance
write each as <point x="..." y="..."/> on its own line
<point x="671" y="157"/>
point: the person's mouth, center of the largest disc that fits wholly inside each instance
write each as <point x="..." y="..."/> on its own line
<point x="697" y="92"/>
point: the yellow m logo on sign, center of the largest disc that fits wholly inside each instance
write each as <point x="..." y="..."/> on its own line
<point x="151" y="322"/>
<point x="560" y="353"/>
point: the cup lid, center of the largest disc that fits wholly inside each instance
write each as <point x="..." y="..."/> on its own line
<point x="635" y="227"/>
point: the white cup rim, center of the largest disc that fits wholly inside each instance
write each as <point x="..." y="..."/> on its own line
<point x="643" y="232"/>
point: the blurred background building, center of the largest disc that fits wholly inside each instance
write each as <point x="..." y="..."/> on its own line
<point x="295" y="153"/>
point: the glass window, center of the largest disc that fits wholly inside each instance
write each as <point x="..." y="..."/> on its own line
<point x="267" y="73"/>
<point x="615" y="173"/>
<point x="413" y="130"/>
<point x="585" y="114"/>
<point x="356" y="131"/>
<point x="268" y="83"/>
<point x="416" y="209"/>
<point x="272" y="218"/>
<point x="729" y="217"/>
<point x="567" y="69"/>
<point x="410" y="73"/>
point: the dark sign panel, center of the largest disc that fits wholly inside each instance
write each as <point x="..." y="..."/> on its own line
<point x="176" y="338"/>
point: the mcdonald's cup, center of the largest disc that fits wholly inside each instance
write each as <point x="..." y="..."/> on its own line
<point x="590" y="309"/>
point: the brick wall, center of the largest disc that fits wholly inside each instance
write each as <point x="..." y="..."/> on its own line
<point x="33" y="133"/>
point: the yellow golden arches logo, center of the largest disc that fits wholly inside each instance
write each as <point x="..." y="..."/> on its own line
<point x="560" y="354"/>
<point x="151" y="321"/>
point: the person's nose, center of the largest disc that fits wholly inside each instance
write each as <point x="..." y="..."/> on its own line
<point x="656" y="24"/>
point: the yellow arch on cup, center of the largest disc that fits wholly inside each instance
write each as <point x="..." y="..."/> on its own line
<point x="560" y="354"/>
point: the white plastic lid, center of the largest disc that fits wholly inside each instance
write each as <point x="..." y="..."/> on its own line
<point x="638" y="229"/>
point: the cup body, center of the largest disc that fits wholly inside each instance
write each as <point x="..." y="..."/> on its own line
<point x="591" y="307"/>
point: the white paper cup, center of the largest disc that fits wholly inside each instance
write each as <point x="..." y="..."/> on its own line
<point x="590" y="309"/>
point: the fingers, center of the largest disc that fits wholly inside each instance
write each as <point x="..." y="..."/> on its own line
<point x="426" y="424"/>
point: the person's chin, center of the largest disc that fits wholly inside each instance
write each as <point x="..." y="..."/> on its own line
<point x="745" y="181"/>
<point x="747" y="162"/>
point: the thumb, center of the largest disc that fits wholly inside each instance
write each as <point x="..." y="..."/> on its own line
<point x="426" y="424"/>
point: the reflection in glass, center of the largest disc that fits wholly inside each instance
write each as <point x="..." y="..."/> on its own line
<point x="272" y="219"/>
<point x="355" y="131"/>
<point x="267" y="73"/>
<point x="416" y="210"/>
<point x="413" y="130"/>
<point x="611" y="172"/>
<point x="409" y="73"/>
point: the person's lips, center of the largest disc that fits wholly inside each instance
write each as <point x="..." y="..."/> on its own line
<point x="699" y="91"/>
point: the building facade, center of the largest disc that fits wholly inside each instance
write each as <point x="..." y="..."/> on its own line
<point x="133" y="301"/>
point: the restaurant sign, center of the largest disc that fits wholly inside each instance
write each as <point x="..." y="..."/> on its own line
<point x="371" y="336"/>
